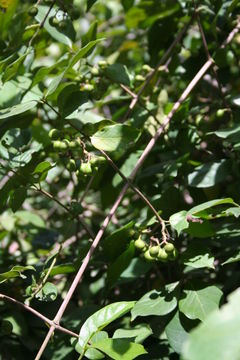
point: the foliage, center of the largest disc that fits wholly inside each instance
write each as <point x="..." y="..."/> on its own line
<point x="96" y="146"/>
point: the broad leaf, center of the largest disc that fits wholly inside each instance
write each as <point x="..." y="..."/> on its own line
<point x="178" y="221"/>
<point x="17" y="109"/>
<point x="101" y="319"/>
<point x="209" y="174"/>
<point x="218" y="337"/>
<point x="157" y="303"/>
<point x="115" y="138"/>
<point x="120" y="349"/>
<point x="197" y="256"/>
<point x="137" y="334"/>
<point x="16" y="271"/>
<point x="47" y="293"/>
<point x="198" y="301"/>
<point x="117" y="73"/>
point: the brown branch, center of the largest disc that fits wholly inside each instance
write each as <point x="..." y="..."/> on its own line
<point x="108" y="218"/>
<point x="38" y="314"/>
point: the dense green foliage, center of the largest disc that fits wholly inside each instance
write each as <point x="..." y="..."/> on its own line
<point x="157" y="287"/>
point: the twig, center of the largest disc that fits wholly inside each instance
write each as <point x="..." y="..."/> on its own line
<point x="108" y="218"/>
<point x="38" y="314"/>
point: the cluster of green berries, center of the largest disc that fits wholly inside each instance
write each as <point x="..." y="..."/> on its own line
<point x="156" y="253"/>
<point x="86" y="163"/>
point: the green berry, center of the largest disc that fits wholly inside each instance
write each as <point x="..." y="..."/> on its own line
<point x="169" y="248"/>
<point x="139" y="78"/>
<point x="53" y="21"/>
<point x="88" y="87"/>
<point x="71" y="165"/>
<point x="154" y="250"/>
<point x="102" y="64"/>
<point x="173" y="255"/>
<point x="147" y="256"/>
<point x="86" y="168"/>
<point x="54" y="134"/>
<point x="95" y="71"/>
<point x="147" y="68"/>
<point x="74" y="144"/>
<point x="220" y="113"/>
<point x="162" y="255"/>
<point x="60" y="145"/>
<point x="33" y="11"/>
<point x="139" y="244"/>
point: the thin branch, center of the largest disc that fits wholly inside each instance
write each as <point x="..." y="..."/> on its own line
<point x="108" y="218"/>
<point x="141" y="195"/>
<point x="38" y="314"/>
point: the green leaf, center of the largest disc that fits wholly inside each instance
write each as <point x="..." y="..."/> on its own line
<point x="139" y="333"/>
<point x="231" y="134"/>
<point x="197" y="256"/>
<point x="157" y="302"/>
<point x="101" y="319"/>
<point x="198" y="301"/>
<point x="117" y="73"/>
<point x="47" y="293"/>
<point x="16" y="271"/>
<point x="232" y="259"/>
<point x="92" y="353"/>
<point x="235" y="211"/>
<point x="17" y="109"/>
<point x="115" y="138"/>
<point x="91" y="34"/>
<point x="90" y="4"/>
<point x="218" y="337"/>
<point x="83" y="52"/>
<point x="178" y="221"/>
<point x="209" y="204"/>
<point x="17" y="198"/>
<point x="209" y="174"/>
<point x="118" y="266"/>
<point x="120" y="349"/>
<point x="176" y="333"/>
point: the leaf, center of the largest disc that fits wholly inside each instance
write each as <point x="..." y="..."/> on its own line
<point x="176" y="334"/>
<point x="41" y="170"/>
<point x="91" y="34"/>
<point x="47" y="293"/>
<point x="17" y="198"/>
<point x="16" y="271"/>
<point x="17" y="109"/>
<point x="139" y="333"/>
<point x="92" y="353"/>
<point x="119" y="265"/>
<point x="90" y="4"/>
<point x="117" y="73"/>
<point x="232" y="134"/>
<point x="209" y="174"/>
<point x="232" y="259"/>
<point x="101" y="319"/>
<point x="218" y="337"/>
<point x="178" y="221"/>
<point x="198" y="301"/>
<point x="209" y="204"/>
<point x="235" y="211"/>
<point x="197" y="256"/>
<point x="83" y="52"/>
<point x="115" y="138"/>
<point x="157" y="303"/>
<point x="120" y="349"/>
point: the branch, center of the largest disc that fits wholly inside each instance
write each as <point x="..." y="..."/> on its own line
<point x="38" y="314"/>
<point x="140" y="162"/>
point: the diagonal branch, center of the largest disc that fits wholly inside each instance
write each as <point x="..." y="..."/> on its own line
<point x="140" y="162"/>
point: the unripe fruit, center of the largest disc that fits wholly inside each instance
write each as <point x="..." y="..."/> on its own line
<point x="33" y="11"/>
<point x="139" y="244"/>
<point x="88" y="87"/>
<point x="220" y="113"/>
<point x="147" y="256"/>
<point x="147" y="68"/>
<point x="71" y="165"/>
<point x="53" y="21"/>
<point x="60" y="145"/>
<point x="102" y="63"/>
<point x="96" y="160"/>
<point x="95" y="71"/>
<point x="74" y="144"/>
<point x="54" y="134"/>
<point x="169" y="248"/>
<point x="173" y="255"/>
<point x="139" y="78"/>
<point x="86" y="168"/>
<point x="162" y="255"/>
<point x="62" y="24"/>
<point x="154" y="250"/>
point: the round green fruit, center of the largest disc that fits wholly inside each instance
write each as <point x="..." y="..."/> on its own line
<point x="86" y="168"/>
<point x="147" y="68"/>
<point x="71" y="165"/>
<point x="173" y="256"/>
<point x="74" y="144"/>
<point x="33" y="11"/>
<point x="139" y="78"/>
<point x="54" y="134"/>
<point x="147" y="256"/>
<point x="60" y="145"/>
<point x="154" y="250"/>
<point x="88" y="87"/>
<point x="53" y="21"/>
<point x="169" y="248"/>
<point x="62" y="25"/>
<point x="139" y="244"/>
<point x="162" y="255"/>
<point x="220" y="113"/>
